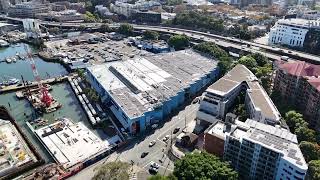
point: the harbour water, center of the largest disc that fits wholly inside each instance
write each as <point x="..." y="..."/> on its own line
<point x="21" y="109"/>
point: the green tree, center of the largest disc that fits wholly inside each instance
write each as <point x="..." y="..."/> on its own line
<point x="264" y="73"/>
<point x="125" y="29"/>
<point x="81" y="73"/>
<point x="174" y="2"/>
<point x="305" y="134"/>
<point x="82" y="27"/>
<point x="249" y="62"/>
<point x="294" y="120"/>
<point x="152" y="35"/>
<point x="92" y="94"/>
<point x="313" y="170"/>
<point x="104" y="28"/>
<point x="160" y="177"/>
<point x="310" y="151"/>
<point x="89" y="17"/>
<point x="113" y="170"/>
<point x="261" y="59"/>
<point x="203" y="166"/>
<point x="241" y="112"/>
<point x="178" y="42"/>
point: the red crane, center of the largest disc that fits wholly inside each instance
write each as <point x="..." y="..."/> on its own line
<point x="45" y="98"/>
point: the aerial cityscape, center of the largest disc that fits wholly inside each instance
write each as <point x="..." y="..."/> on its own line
<point x="160" y="89"/>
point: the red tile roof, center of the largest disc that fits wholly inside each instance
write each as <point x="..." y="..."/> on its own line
<point x="301" y="68"/>
<point x="315" y="82"/>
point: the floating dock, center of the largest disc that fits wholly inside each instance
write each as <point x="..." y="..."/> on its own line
<point x="4" y="89"/>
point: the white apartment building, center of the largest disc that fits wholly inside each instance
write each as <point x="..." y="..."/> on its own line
<point x="257" y="150"/>
<point x="220" y="96"/>
<point x="291" y="32"/>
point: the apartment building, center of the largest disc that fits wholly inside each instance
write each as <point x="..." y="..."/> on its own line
<point x="257" y="150"/>
<point x="291" y="32"/>
<point x="299" y="83"/>
<point x="220" y="96"/>
<point x="127" y="10"/>
<point x="28" y="9"/>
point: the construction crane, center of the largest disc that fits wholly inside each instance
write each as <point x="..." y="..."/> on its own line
<point x="45" y="98"/>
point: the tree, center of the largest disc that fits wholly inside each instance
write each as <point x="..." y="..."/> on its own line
<point x="261" y="59"/>
<point x="174" y="2"/>
<point x="313" y="169"/>
<point x="152" y="35"/>
<point x="89" y="17"/>
<point x="160" y="177"/>
<point x="178" y="42"/>
<point x="81" y="73"/>
<point x="113" y="170"/>
<point x="249" y="62"/>
<point x="241" y="112"/>
<point x="203" y="166"/>
<point x="125" y="29"/>
<point x="305" y="134"/>
<point x="294" y="120"/>
<point x="104" y="28"/>
<point x="92" y="94"/>
<point x="82" y="27"/>
<point x="310" y="151"/>
<point x="264" y="73"/>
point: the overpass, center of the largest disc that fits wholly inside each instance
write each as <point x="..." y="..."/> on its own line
<point x="227" y="43"/>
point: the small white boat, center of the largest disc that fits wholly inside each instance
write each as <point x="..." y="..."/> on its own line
<point x="13" y="81"/>
<point x="8" y="60"/>
<point x="14" y="60"/>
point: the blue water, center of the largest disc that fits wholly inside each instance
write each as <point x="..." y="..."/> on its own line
<point x="21" y="109"/>
<point x="23" y="67"/>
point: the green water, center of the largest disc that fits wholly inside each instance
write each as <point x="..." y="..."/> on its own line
<point x="21" y="109"/>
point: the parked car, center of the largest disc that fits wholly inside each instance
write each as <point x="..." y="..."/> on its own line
<point x="166" y="138"/>
<point x="152" y="143"/>
<point x="176" y="130"/>
<point x="144" y="154"/>
<point x="155" y="165"/>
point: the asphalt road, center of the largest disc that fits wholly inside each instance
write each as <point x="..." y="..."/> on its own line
<point x="132" y="152"/>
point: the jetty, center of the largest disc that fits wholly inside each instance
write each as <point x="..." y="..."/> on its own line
<point x="16" y="87"/>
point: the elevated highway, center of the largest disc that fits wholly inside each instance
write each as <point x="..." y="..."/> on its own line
<point x="228" y="43"/>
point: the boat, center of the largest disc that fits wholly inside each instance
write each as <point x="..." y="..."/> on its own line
<point x="14" y="60"/>
<point x="13" y="81"/>
<point x="4" y="43"/>
<point x="8" y="60"/>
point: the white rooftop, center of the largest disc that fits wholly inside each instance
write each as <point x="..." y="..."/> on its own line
<point x="72" y="144"/>
<point x="275" y="138"/>
<point x="140" y="84"/>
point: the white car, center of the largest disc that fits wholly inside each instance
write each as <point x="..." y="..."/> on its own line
<point x="154" y="165"/>
<point x="166" y="138"/>
<point x="152" y="143"/>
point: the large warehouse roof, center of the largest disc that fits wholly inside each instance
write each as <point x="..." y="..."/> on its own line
<point x="143" y="83"/>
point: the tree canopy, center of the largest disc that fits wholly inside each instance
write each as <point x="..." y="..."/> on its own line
<point x="113" y="170"/>
<point x="198" y="20"/>
<point x="152" y="35"/>
<point x="314" y="169"/>
<point x="196" y="166"/>
<point x="249" y="62"/>
<point x="178" y="42"/>
<point x="160" y="177"/>
<point x="104" y="28"/>
<point x="125" y="29"/>
<point x="310" y="151"/>
<point x="89" y="17"/>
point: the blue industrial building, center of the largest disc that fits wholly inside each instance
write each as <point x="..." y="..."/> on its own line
<point x="145" y="90"/>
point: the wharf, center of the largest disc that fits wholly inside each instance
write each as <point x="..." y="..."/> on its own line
<point x="32" y="84"/>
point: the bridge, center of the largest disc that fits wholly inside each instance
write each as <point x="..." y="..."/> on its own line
<point x="230" y="44"/>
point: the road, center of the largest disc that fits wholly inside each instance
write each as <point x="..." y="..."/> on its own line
<point x="133" y="151"/>
<point x="270" y="52"/>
